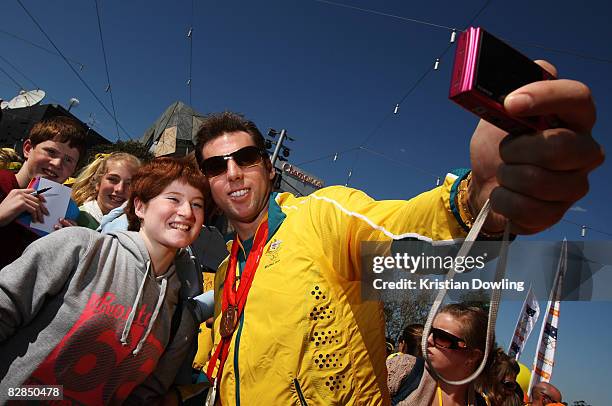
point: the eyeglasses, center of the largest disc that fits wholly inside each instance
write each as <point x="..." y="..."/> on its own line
<point x="444" y="339"/>
<point x="510" y="385"/>
<point x="244" y="157"/>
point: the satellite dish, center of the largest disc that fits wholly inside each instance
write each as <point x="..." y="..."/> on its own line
<point x="26" y="99"/>
<point x="3" y="105"/>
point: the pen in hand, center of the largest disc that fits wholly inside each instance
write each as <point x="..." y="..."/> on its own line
<point x="41" y="191"/>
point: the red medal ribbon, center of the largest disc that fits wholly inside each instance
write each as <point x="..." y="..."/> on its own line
<point x="236" y="299"/>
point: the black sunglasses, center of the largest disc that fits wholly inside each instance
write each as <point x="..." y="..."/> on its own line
<point x="244" y="157"/>
<point x="444" y="339"/>
<point x="510" y="385"/>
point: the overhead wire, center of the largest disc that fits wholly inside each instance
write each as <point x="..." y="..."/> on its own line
<point x="366" y="10"/>
<point x="108" y="81"/>
<point x="397" y="161"/>
<point x="560" y="51"/>
<point x="19" y="86"/>
<point x="16" y="69"/>
<point x="587" y="227"/>
<point x="431" y="24"/>
<point x="326" y="156"/>
<point x="414" y="86"/>
<point x="410" y="90"/>
<point x="70" y="65"/>
<point x="20" y="71"/>
<point x="80" y="65"/>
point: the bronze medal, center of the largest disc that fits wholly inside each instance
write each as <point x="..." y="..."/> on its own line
<point x="229" y="321"/>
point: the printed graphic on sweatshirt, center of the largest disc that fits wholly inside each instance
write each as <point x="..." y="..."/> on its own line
<point x="91" y="362"/>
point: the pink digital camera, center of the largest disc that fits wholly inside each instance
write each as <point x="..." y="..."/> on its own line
<point x="485" y="71"/>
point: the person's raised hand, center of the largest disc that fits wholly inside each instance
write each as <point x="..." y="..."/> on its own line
<point x="533" y="179"/>
<point x="18" y="201"/>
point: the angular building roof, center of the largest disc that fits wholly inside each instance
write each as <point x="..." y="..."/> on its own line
<point x="173" y="133"/>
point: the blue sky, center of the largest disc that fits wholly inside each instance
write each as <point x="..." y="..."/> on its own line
<point x="330" y="75"/>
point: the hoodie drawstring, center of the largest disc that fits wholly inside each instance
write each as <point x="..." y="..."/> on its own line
<point x="130" y="320"/>
<point x="160" y="301"/>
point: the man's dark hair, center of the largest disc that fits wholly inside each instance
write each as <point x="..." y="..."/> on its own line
<point x="217" y="124"/>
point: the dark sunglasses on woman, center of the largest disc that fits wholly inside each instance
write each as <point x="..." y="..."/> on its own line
<point x="444" y="339"/>
<point x="510" y="385"/>
<point x="244" y="157"/>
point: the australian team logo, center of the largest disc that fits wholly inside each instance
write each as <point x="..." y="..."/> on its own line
<point x="273" y="253"/>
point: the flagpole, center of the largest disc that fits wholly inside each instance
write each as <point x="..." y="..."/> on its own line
<point x="543" y="361"/>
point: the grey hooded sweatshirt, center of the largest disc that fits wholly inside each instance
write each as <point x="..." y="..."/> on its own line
<point x="85" y="311"/>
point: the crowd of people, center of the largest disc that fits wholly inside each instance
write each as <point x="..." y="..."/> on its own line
<point x="455" y="348"/>
<point x="111" y="313"/>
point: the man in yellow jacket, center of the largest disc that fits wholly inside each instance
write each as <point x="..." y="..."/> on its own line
<point x="304" y="336"/>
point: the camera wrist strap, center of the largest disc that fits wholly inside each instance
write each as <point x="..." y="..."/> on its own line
<point x="495" y="295"/>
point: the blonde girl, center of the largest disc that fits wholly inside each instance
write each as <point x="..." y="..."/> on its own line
<point x="103" y="186"/>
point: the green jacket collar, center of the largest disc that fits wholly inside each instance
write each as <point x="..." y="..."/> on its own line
<point x="275" y="219"/>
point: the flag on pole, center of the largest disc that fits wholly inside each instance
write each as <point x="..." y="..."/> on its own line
<point x="544" y="359"/>
<point x="530" y="312"/>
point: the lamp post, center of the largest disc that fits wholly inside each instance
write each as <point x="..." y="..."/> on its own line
<point x="73" y="102"/>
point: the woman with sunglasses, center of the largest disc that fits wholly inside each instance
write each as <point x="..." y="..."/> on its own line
<point x="455" y="348"/>
<point x="104" y="315"/>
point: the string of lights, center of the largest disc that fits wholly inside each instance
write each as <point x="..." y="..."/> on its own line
<point x="411" y="89"/>
<point x="584" y="228"/>
<point x="190" y="38"/>
<point x="431" y="24"/>
<point x="362" y="146"/>
<point x="332" y="155"/>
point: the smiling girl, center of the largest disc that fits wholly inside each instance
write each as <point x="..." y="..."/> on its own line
<point x="96" y="313"/>
<point x="103" y="186"/>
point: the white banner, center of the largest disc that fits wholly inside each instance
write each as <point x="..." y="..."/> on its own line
<point x="528" y="317"/>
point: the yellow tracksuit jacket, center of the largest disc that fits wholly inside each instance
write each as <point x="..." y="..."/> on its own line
<point x="305" y="336"/>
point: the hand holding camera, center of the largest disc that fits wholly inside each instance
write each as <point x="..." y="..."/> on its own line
<point x="533" y="178"/>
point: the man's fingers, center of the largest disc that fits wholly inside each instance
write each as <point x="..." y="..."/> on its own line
<point x="542" y="184"/>
<point x="569" y="100"/>
<point x="555" y="149"/>
<point x="527" y="215"/>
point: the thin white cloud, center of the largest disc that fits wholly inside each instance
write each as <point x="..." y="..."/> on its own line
<point x="578" y="208"/>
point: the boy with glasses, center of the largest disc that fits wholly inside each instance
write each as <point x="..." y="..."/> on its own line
<point x="52" y="150"/>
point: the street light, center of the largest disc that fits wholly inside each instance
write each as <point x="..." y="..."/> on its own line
<point x="73" y="102"/>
